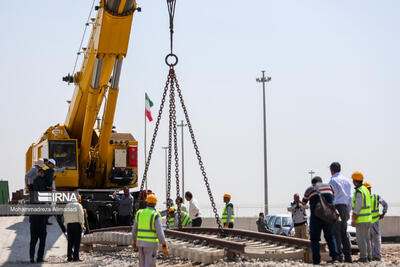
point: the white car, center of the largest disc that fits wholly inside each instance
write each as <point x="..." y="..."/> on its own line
<point x="351" y="233"/>
<point x="280" y="224"/>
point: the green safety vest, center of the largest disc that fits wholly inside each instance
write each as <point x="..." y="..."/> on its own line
<point x="185" y="219"/>
<point x="145" y="219"/>
<point x="171" y="221"/>
<point x="365" y="213"/>
<point x="375" y="208"/>
<point x="225" y="214"/>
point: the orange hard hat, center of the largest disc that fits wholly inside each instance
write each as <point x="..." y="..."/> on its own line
<point x="367" y="185"/>
<point x="171" y="209"/>
<point x="357" y="176"/>
<point x="227" y="195"/>
<point x="151" y="199"/>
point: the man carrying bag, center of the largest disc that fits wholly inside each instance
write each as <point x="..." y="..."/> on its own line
<point x="320" y="196"/>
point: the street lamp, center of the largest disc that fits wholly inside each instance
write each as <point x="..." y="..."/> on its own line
<point x="183" y="173"/>
<point x="166" y="173"/>
<point x="264" y="80"/>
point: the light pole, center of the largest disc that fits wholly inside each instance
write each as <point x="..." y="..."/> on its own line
<point x="166" y="173"/>
<point x="311" y="173"/>
<point x="183" y="173"/>
<point x="263" y="80"/>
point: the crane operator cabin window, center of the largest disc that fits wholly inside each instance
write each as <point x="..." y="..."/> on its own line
<point x="64" y="152"/>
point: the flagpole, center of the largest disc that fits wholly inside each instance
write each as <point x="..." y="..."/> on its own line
<point x="145" y="143"/>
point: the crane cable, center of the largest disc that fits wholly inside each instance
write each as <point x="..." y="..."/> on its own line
<point x="83" y="37"/>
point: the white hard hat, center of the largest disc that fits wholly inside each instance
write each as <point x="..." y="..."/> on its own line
<point x="52" y="161"/>
<point x="39" y="162"/>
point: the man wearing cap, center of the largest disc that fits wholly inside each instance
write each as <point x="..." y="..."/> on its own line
<point x="51" y="163"/>
<point x="174" y="218"/>
<point x="361" y="218"/>
<point x="31" y="175"/>
<point x="342" y="192"/>
<point x="375" y="229"/>
<point x="147" y="232"/>
<point x="228" y="213"/>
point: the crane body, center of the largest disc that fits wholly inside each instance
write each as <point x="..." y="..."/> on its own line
<point x="97" y="159"/>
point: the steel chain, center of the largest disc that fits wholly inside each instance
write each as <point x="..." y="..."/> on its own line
<point x="153" y="140"/>
<point x="169" y="148"/>
<point x="202" y="168"/>
<point x="173" y="112"/>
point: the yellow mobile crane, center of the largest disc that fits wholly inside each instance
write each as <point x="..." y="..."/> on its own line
<point x="97" y="160"/>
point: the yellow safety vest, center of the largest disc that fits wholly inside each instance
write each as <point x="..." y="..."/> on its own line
<point x="225" y="214"/>
<point x="375" y="208"/>
<point x="145" y="219"/>
<point x="185" y="219"/>
<point x="365" y="213"/>
<point x="172" y="221"/>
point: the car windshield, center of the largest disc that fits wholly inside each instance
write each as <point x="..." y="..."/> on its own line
<point x="271" y="221"/>
<point x="278" y="221"/>
<point x="286" y="221"/>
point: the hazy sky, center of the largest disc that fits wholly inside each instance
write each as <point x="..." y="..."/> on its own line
<point x="335" y="68"/>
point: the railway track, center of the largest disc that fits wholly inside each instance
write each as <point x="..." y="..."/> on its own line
<point x="207" y="245"/>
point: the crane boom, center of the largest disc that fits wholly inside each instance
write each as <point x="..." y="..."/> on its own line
<point x="95" y="157"/>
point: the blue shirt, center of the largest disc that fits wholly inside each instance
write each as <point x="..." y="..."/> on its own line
<point x="342" y="190"/>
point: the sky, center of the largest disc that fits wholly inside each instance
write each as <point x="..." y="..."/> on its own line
<point x="335" y="69"/>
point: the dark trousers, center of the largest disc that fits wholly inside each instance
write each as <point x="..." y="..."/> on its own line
<point x="316" y="226"/>
<point x="60" y="221"/>
<point x="196" y="222"/>
<point x="74" y="231"/>
<point x="38" y="232"/>
<point x="340" y="232"/>
<point x="31" y="194"/>
<point x="230" y="225"/>
<point x="125" y="220"/>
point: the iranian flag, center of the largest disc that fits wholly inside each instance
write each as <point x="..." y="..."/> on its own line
<point x="149" y="104"/>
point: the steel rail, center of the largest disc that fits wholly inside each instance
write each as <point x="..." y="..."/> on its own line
<point x="111" y="229"/>
<point x="256" y="235"/>
<point x="190" y="234"/>
<point x="232" y="246"/>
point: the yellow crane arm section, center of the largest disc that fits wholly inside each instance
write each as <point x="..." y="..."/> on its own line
<point x="98" y="77"/>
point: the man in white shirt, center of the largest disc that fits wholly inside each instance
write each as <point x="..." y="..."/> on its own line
<point x="342" y="200"/>
<point x="194" y="210"/>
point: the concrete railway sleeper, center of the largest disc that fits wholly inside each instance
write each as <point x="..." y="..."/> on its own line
<point x="206" y="245"/>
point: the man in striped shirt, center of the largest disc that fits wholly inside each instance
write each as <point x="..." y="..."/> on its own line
<point x="316" y="224"/>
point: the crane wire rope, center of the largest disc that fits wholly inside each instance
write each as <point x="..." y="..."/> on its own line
<point x="83" y="37"/>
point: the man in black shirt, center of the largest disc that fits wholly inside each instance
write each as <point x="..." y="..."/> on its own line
<point x="316" y="224"/>
<point x="38" y="222"/>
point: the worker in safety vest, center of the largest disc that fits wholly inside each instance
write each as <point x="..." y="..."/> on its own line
<point x="375" y="229"/>
<point x="362" y="218"/>
<point x="147" y="232"/>
<point x="228" y="214"/>
<point x="174" y="217"/>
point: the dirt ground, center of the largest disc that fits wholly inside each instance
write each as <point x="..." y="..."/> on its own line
<point x="125" y="256"/>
